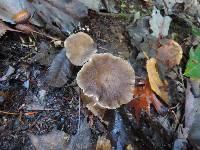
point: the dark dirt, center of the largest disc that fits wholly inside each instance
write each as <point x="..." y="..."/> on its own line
<point x="61" y="102"/>
<point x="110" y="35"/>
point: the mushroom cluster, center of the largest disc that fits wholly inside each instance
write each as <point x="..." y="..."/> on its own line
<point x="106" y="79"/>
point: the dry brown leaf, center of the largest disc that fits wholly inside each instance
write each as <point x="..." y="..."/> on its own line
<point x="53" y="140"/>
<point x="59" y="71"/>
<point x="157" y="85"/>
<point x="4" y="28"/>
<point x="192" y="112"/>
<point x="82" y="139"/>
<point x="170" y="54"/>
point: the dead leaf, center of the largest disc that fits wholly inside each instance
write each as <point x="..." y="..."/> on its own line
<point x="159" y="24"/>
<point x="181" y="142"/>
<point x="56" y="140"/>
<point x="4" y="28"/>
<point x="157" y="85"/>
<point x="192" y="7"/>
<point x="44" y="54"/>
<point x="9" y="72"/>
<point x="111" y="6"/>
<point x="169" y="4"/>
<point x="191" y="103"/>
<point x="103" y="144"/>
<point x="170" y="54"/>
<point x="141" y="38"/>
<point x="82" y="139"/>
<point x="138" y="31"/>
<point x="9" y="8"/>
<point x="192" y="112"/>
<point x="33" y="103"/>
<point x="143" y="98"/>
<point x="59" y="71"/>
<point x="66" y="14"/>
<point x="94" y="5"/>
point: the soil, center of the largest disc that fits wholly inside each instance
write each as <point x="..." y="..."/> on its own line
<point x="61" y="102"/>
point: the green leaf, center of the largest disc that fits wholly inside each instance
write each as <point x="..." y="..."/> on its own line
<point x="196" y="31"/>
<point x="193" y="64"/>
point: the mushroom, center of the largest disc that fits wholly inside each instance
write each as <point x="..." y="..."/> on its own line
<point x="108" y="79"/>
<point x="93" y="106"/>
<point x="79" y="48"/>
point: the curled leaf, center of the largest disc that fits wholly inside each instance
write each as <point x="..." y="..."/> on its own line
<point x="159" y="24"/>
<point x="53" y="140"/>
<point x="143" y="97"/>
<point x="59" y="70"/>
<point x="9" y="8"/>
<point x="170" y="54"/>
<point x="82" y="139"/>
<point x="157" y="85"/>
<point x="4" y="28"/>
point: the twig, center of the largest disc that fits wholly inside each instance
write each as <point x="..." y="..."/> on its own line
<point x="115" y="14"/>
<point x="79" y="111"/>
<point x="9" y="113"/>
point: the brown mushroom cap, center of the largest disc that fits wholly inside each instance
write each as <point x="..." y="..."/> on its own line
<point x="79" y="48"/>
<point x="107" y="78"/>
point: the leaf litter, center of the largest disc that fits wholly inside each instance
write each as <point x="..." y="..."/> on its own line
<point x="157" y="85"/>
<point x="159" y="24"/>
<point x="50" y="105"/>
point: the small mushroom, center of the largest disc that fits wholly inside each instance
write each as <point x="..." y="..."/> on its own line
<point x="79" y="48"/>
<point x="108" y="79"/>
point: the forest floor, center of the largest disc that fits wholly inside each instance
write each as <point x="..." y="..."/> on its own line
<point x="30" y="110"/>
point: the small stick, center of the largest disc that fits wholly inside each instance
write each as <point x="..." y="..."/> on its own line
<point x="27" y="28"/>
<point x="9" y="113"/>
<point x="79" y="111"/>
<point x="114" y="14"/>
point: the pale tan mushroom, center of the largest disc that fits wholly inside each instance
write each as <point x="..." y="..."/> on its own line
<point x="108" y="79"/>
<point x="93" y="106"/>
<point x="79" y="48"/>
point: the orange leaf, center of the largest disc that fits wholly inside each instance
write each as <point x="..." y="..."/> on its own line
<point x="143" y="97"/>
<point x="32" y="113"/>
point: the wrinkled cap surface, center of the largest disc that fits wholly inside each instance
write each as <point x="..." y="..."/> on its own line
<point x="107" y="78"/>
<point x="79" y="48"/>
